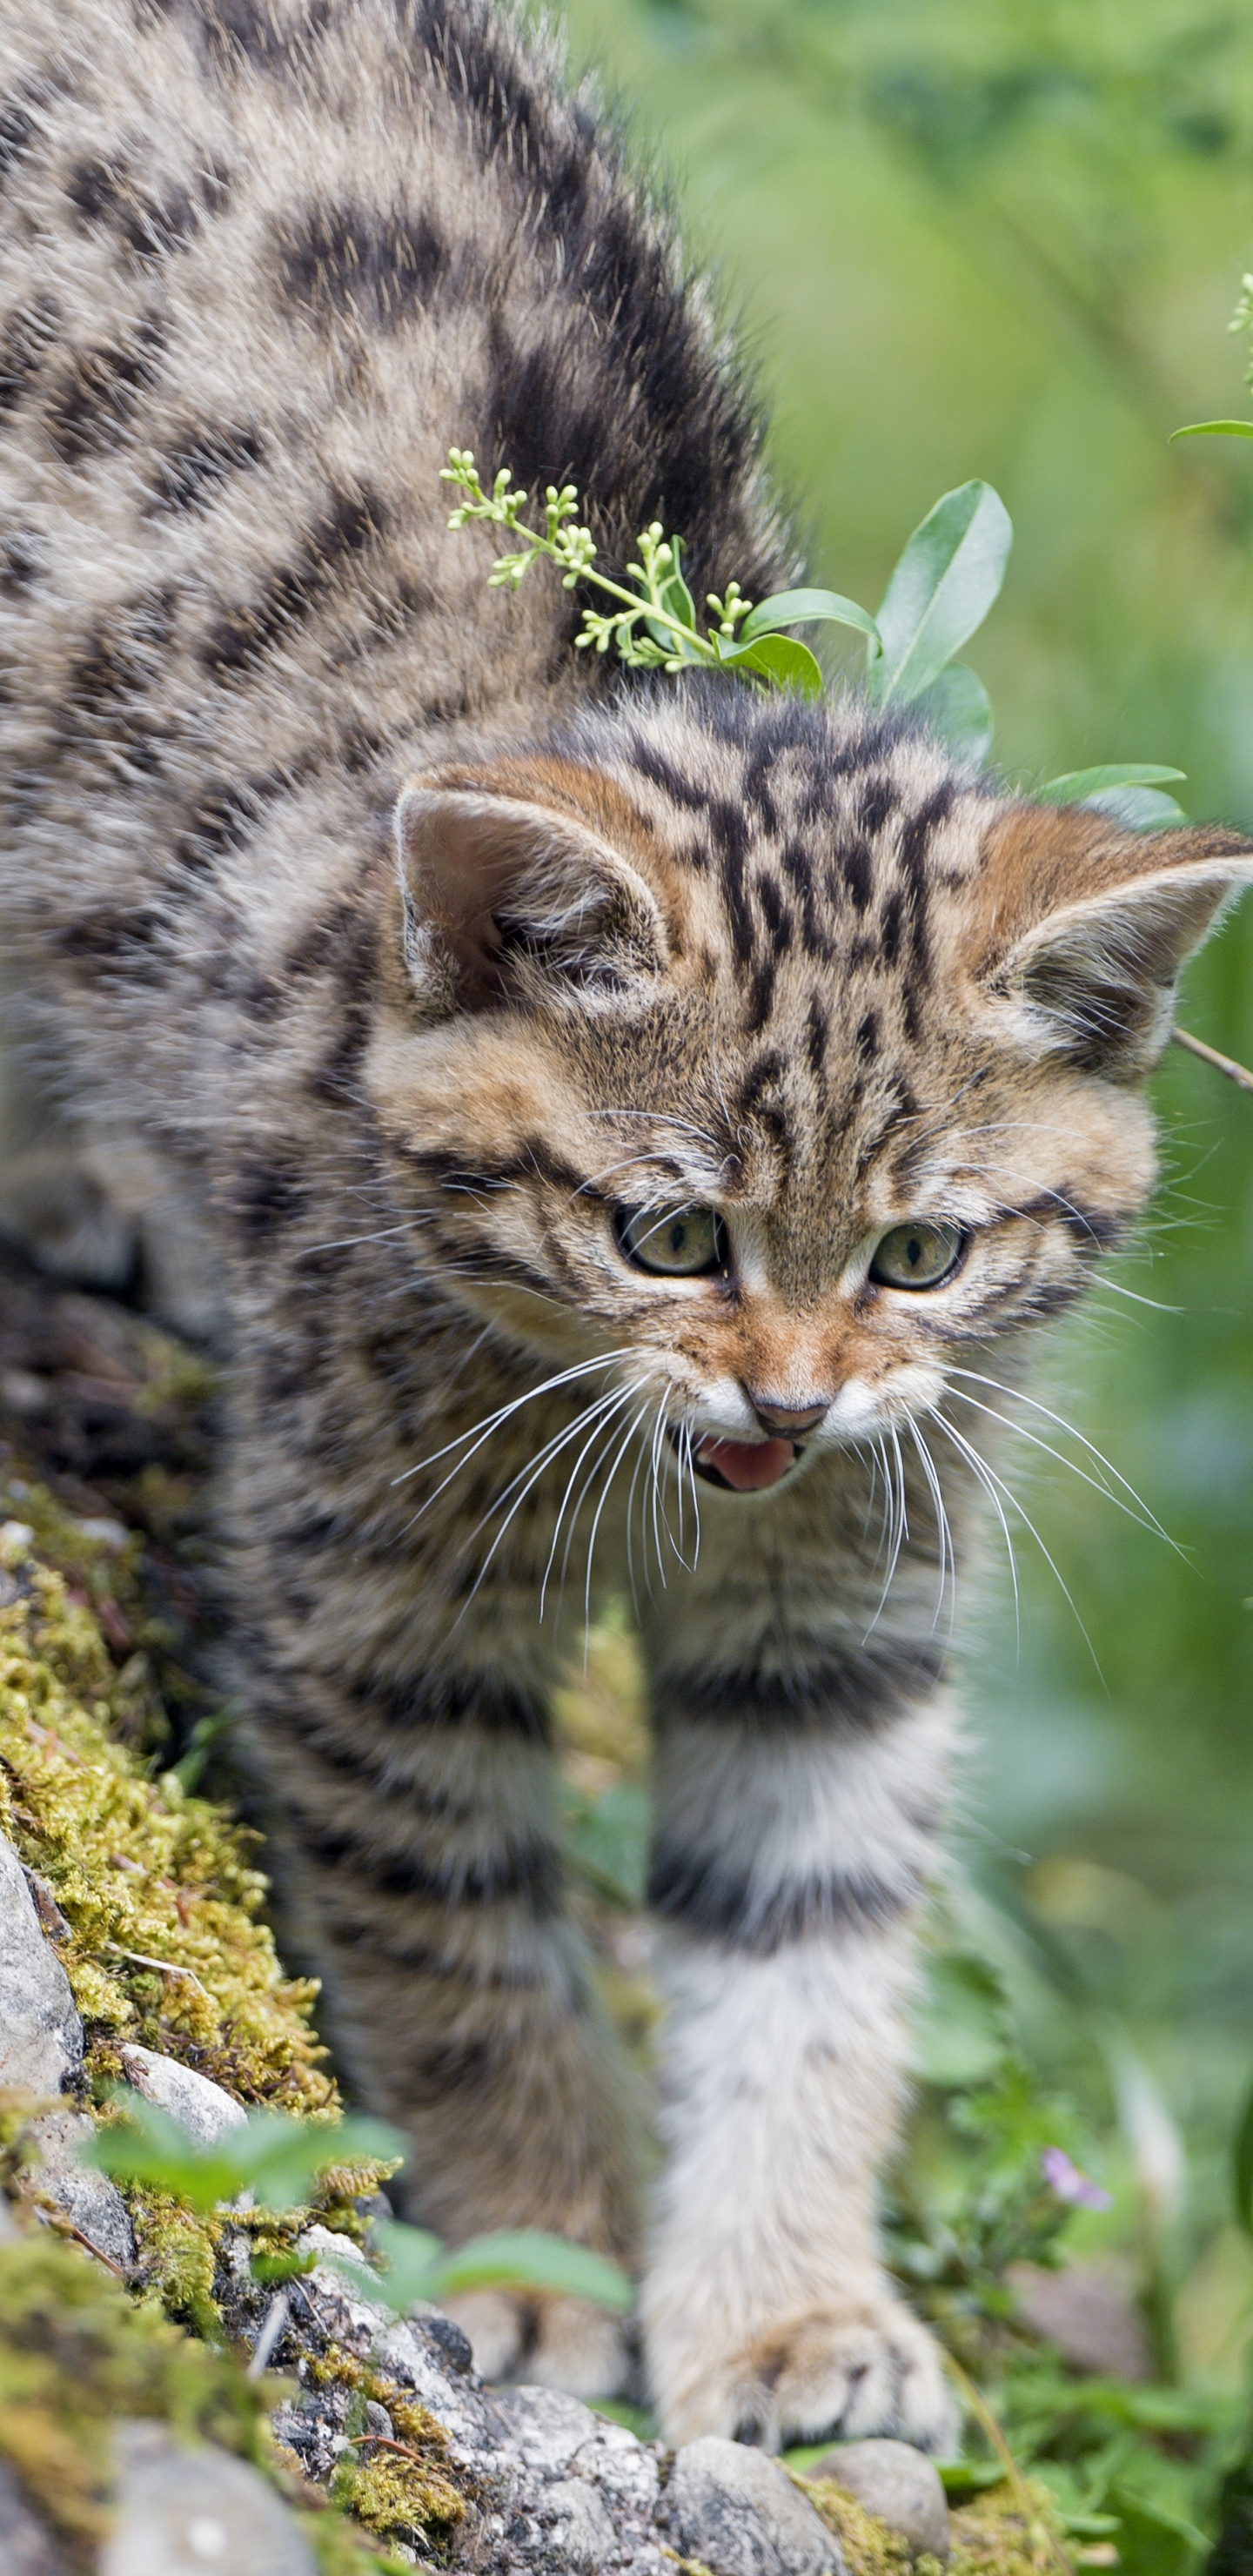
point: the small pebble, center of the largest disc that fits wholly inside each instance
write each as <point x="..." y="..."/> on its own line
<point x="898" y="2484"/>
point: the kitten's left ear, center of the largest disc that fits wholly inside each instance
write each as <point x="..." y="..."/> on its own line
<point x="1095" y="978"/>
<point x="498" y="887"/>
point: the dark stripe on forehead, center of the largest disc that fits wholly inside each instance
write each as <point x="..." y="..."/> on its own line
<point x="798" y="866"/>
<point x="760" y="997"/>
<point x="857" y="859"/>
<point x="660" y="772"/>
<point x="778" y="918"/>
<point x="1093" y="1229"/>
<point x="739" y="904"/>
<point x="879" y="798"/>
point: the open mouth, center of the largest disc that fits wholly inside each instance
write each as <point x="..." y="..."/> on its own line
<point x="744" y="1466"/>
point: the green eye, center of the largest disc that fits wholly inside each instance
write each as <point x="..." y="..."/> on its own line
<point x="678" y="1243"/>
<point x="917" y="1256"/>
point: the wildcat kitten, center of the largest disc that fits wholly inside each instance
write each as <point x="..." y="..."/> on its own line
<point x="579" y="1106"/>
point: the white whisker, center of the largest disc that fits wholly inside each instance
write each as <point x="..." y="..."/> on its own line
<point x="618" y="1456"/>
<point x="900" y="1521"/>
<point x="1142" y="1514"/>
<point x="658" y="1434"/>
<point x="532" y="1472"/>
<point x="1011" y="1497"/>
<point x="492" y="1421"/>
<point x="605" y="1414"/>
<point x="944" y="1536"/>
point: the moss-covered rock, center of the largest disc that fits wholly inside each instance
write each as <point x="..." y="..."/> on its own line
<point x="158" y="1892"/>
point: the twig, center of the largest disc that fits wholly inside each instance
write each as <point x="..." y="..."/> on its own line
<point x="272" y="2327"/>
<point x="1209" y="1055"/>
<point x="166" y="1966"/>
<point x="986" y="2420"/>
<point x="384" y="2442"/>
<point x="63" y="2226"/>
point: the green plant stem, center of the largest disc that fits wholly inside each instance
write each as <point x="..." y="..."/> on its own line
<point x="630" y="599"/>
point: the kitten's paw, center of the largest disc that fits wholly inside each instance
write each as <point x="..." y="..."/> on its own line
<point x="845" y="2372"/>
<point x="547" y="2341"/>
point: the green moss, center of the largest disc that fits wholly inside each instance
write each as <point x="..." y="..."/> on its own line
<point x="993" y="2537"/>
<point x="990" y="2536"/>
<point x="868" y="2546"/>
<point x="400" y="2498"/>
<point x="159" y="1889"/>
<point x="75" y="2351"/>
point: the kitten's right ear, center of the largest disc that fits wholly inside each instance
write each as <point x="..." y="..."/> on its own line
<point x="498" y="891"/>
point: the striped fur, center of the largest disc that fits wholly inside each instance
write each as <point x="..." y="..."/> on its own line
<point x="367" y="954"/>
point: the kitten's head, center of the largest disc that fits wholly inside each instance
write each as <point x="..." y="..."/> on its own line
<point x="751" y="1043"/>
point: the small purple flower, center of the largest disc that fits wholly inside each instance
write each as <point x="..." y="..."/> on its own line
<point x="1065" y="2179"/>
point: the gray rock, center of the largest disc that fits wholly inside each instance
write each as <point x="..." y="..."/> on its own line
<point x="27" y="2547"/>
<point x="201" y="2108"/>
<point x="546" y="2426"/>
<point x="738" y="2510"/>
<point x="184" y="2512"/>
<point x="41" y="2036"/>
<point x="580" y="2533"/>
<point x="626" y="2470"/>
<point x="92" y="2203"/>
<point x="896" y="2482"/>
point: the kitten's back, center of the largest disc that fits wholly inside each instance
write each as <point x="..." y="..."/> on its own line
<point x="260" y="268"/>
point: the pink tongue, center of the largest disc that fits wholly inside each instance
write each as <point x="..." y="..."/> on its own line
<point x="749" y="1465"/>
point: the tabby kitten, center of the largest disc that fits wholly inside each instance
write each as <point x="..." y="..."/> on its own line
<point x="581" y="1108"/>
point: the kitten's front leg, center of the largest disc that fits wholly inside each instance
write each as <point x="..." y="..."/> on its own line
<point x="793" y="1843"/>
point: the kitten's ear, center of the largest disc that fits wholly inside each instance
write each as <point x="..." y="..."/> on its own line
<point x="1094" y="978"/>
<point x="497" y="889"/>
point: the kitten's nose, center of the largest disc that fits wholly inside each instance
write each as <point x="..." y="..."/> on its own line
<point x="790" y="1419"/>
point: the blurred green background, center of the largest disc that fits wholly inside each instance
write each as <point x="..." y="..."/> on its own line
<point x="1005" y="238"/>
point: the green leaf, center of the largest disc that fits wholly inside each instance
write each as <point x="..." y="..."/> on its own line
<point x="531" y="2260"/>
<point x="1127" y="790"/>
<point x="962" y="2031"/>
<point x="1138" y="809"/>
<point x="1243" y="2164"/>
<point x="778" y="658"/>
<point x="279" y="2158"/>
<point x="1075" y="786"/>
<point x="274" y="2157"/>
<point x="415" y="2267"/>
<point x="149" y="2147"/>
<point x="1214" y="429"/>
<point x="1153" y="2541"/>
<point x="968" y="2477"/>
<point x="801" y="607"/>
<point x="411" y="2260"/>
<point x="957" y="708"/>
<point x="946" y="581"/>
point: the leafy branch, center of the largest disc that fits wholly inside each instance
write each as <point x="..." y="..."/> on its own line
<point x="948" y="578"/>
<point x="654" y="625"/>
